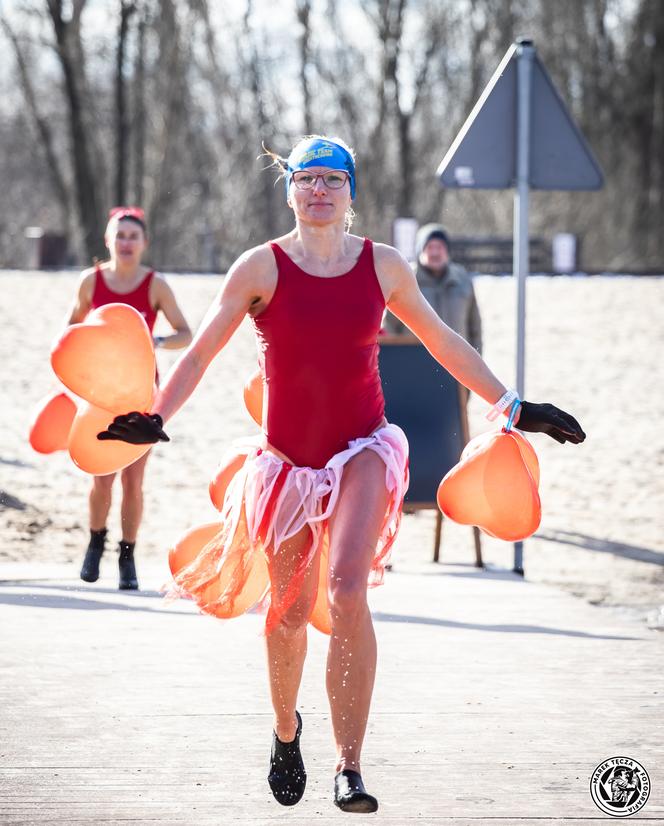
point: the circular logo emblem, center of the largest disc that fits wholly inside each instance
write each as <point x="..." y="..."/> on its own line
<point x="620" y="786"/>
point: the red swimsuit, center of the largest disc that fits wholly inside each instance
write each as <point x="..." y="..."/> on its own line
<point x="138" y="298"/>
<point x="318" y="351"/>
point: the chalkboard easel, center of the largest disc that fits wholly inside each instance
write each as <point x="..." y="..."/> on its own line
<point x="430" y="406"/>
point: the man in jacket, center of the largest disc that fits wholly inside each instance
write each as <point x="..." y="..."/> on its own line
<point x="445" y="285"/>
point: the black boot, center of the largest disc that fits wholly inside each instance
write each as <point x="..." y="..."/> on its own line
<point x="287" y="777"/>
<point x="350" y="794"/>
<point x="90" y="567"/>
<point x="128" y="581"/>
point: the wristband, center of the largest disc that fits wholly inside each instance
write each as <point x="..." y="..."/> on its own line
<point x="513" y="412"/>
<point x="503" y="402"/>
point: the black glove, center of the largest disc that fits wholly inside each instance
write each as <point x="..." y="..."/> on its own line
<point x="546" y="418"/>
<point x="135" y="428"/>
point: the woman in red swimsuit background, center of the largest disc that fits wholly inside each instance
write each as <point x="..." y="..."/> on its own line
<point x="125" y="280"/>
<point x="330" y="468"/>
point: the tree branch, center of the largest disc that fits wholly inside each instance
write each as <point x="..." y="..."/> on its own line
<point x="41" y="123"/>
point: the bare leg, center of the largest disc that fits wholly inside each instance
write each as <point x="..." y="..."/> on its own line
<point x="287" y="643"/>
<point x="132" y="498"/>
<point x="351" y="663"/>
<point x="100" y="501"/>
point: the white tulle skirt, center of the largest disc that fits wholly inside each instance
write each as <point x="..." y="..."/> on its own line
<point x="268" y="502"/>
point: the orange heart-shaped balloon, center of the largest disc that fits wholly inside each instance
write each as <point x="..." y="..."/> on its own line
<point x="108" y="360"/>
<point x="529" y="455"/>
<point x="51" y="423"/>
<point x="493" y="487"/>
<point x="320" y="615"/>
<point x="92" y="455"/>
<point x="190" y="544"/>
<point x="228" y="467"/>
<point x="255" y="580"/>
<point x="527" y="450"/>
<point x="246" y="568"/>
<point x="253" y="396"/>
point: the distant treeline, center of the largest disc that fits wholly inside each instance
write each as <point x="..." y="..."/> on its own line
<point x="166" y="104"/>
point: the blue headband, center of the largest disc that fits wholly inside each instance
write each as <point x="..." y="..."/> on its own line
<point x="320" y="152"/>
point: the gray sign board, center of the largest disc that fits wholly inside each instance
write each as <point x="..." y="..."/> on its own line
<point x="484" y="153"/>
<point x="520" y="135"/>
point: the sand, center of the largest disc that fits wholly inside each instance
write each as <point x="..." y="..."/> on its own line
<point x="594" y="348"/>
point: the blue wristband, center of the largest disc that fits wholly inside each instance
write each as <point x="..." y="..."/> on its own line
<point x="513" y="412"/>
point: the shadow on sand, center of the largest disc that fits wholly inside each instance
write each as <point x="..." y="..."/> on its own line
<point x="591" y="543"/>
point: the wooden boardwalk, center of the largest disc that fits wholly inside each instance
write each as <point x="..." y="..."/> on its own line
<point x="495" y="700"/>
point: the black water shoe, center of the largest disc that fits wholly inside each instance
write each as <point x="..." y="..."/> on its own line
<point x="90" y="567"/>
<point x="127" y="566"/>
<point x="287" y="777"/>
<point x="350" y="794"/>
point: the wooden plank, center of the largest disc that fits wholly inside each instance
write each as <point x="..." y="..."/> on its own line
<point x="495" y="700"/>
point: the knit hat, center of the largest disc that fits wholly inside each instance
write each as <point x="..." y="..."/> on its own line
<point x="426" y="233"/>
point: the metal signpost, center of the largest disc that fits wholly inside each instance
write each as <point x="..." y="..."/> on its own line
<point x="520" y="135"/>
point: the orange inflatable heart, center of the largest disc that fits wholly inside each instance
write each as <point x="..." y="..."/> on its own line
<point x="494" y="486"/>
<point x="93" y="456"/>
<point x="529" y="456"/>
<point x="254" y="579"/>
<point x="228" y="467"/>
<point x="51" y="423"/>
<point x="253" y="397"/>
<point x="256" y="583"/>
<point x="527" y="450"/>
<point x="108" y="360"/>
<point x="189" y="545"/>
<point x="320" y="615"/>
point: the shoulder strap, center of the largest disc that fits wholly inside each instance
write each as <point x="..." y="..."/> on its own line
<point x="98" y="286"/>
<point x="278" y="252"/>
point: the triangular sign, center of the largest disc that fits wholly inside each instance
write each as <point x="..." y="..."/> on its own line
<point x="483" y="155"/>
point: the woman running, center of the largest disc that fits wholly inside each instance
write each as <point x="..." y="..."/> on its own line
<point x="331" y="472"/>
<point x="123" y="279"/>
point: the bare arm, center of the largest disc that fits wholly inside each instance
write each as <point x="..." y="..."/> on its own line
<point x="405" y="300"/>
<point x="83" y="301"/>
<point x="247" y="283"/>
<point x="164" y="300"/>
<point x="474" y="324"/>
<point x="251" y="281"/>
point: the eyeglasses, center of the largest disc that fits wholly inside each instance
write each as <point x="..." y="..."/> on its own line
<point x="307" y="180"/>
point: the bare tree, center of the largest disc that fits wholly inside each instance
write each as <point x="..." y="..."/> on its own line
<point x="303" y="11"/>
<point x="264" y="129"/>
<point x="184" y="98"/>
<point x="646" y="66"/>
<point x="127" y="8"/>
<point x="69" y="48"/>
<point x="139" y="109"/>
<point x="43" y="127"/>
<point x="171" y="89"/>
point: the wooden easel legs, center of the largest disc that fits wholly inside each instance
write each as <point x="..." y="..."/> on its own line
<point x="437" y="540"/>
<point x="463" y="404"/>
